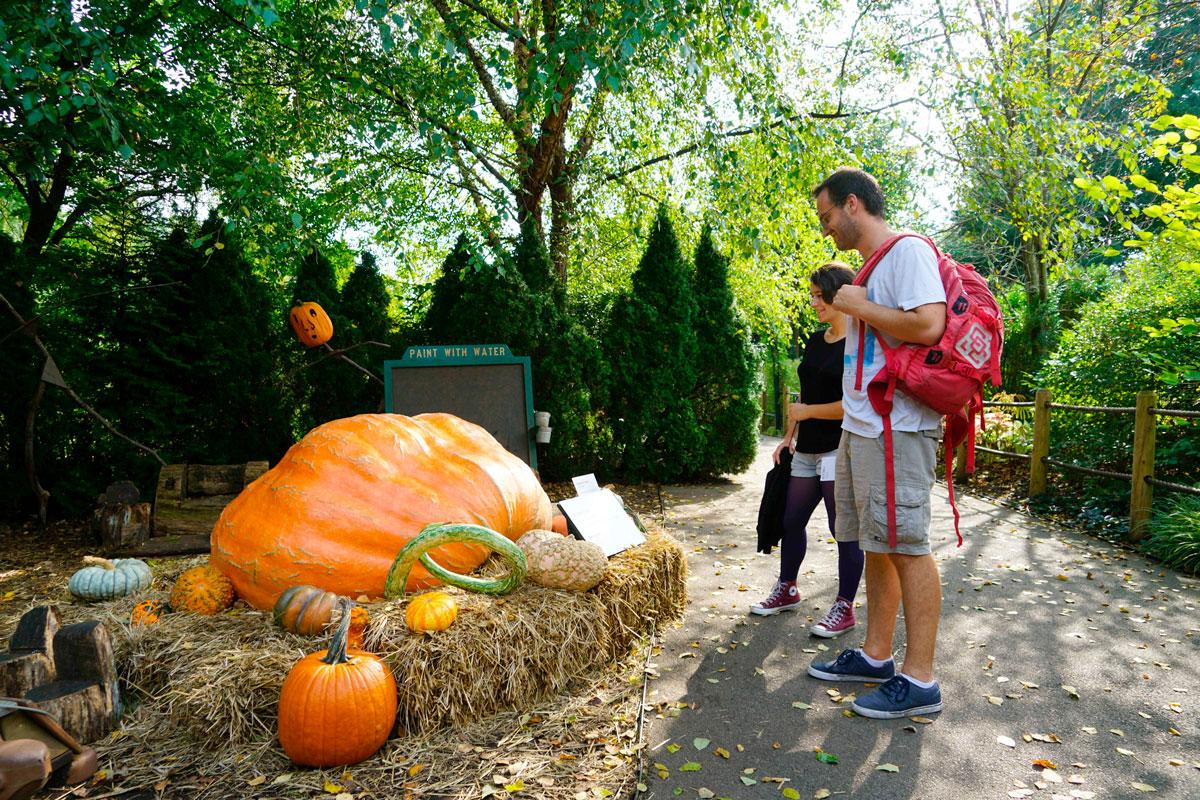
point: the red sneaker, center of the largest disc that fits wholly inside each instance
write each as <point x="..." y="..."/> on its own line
<point x="838" y="620"/>
<point x="784" y="597"/>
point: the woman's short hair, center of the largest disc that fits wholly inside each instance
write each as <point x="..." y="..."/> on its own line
<point x="831" y="276"/>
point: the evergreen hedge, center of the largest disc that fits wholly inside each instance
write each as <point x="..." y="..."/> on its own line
<point x="727" y="385"/>
<point x="651" y="347"/>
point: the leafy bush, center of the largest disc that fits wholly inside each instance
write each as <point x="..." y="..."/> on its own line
<point x="1107" y="357"/>
<point x="726" y="397"/>
<point x="1175" y="533"/>
<point x="650" y="345"/>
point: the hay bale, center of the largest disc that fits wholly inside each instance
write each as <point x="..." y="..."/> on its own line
<point x="216" y="680"/>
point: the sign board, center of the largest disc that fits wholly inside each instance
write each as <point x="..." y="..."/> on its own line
<point x="482" y="383"/>
<point x="600" y="517"/>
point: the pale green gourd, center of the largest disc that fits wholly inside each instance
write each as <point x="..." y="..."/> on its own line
<point x="103" y="579"/>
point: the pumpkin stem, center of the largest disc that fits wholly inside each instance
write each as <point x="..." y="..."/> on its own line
<point x="99" y="562"/>
<point x="337" y="645"/>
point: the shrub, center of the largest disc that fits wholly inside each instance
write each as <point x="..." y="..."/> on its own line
<point x="726" y="396"/>
<point x="1107" y="357"/>
<point x="1175" y="536"/>
<point x="650" y="346"/>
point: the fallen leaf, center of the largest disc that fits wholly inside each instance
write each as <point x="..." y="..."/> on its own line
<point x="821" y="794"/>
<point x="690" y="766"/>
<point x="673" y="748"/>
<point x="922" y="720"/>
<point x="1071" y="691"/>
<point x="801" y="706"/>
<point x="722" y="752"/>
<point x="1124" y="752"/>
<point x="1045" y="764"/>
<point x="705" y="793"/>
<point x="334" y="788"/>
<point x="1116" y="732"/>
<point x="996" y="701"/>
<point x="257" y="780"/>
<point x="415" y="770"/>
<point x="790" y="793"/>
<point x="747" y="781"/>
<point x="825" y="758"/>
<point x="1143" y="787"/>
<point x="1088" y="729"/>
<point x="1006" y="741"/>
<point x="887" y="768"/>
<point x="701" y="743"/>
<point x="515" y="786"/>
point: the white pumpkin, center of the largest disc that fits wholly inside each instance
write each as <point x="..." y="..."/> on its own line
<point x="562" y="562"/>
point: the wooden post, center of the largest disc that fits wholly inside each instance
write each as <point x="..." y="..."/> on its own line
<point x="1041" y="442"/>
<point x="1141" y="494"/>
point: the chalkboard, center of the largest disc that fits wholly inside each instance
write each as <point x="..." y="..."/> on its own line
<point x="484" y="384"/>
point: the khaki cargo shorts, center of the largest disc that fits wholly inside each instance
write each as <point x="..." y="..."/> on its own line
<point x="860" y="488"/>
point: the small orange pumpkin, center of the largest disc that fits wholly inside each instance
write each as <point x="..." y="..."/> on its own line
<point x="305" y="609"/>
<point x="432" y="611"/>
<point x="337" y="707"/>
<point x="147" y="612"/>
<point x="558" y="524"/>
<point x="202" y="590"/>
<point x="312" y="325"/>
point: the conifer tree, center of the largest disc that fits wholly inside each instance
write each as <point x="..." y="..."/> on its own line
<point x="569" y="375"/>
<point x="650" y="345"/>
<point x="364" y="305"/>
<point x="726" y="381"/>
<point x="315" y="387"/>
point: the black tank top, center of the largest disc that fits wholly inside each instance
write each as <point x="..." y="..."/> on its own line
<point x="820" y="374"/>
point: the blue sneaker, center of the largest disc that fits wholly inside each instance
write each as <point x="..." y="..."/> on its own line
<point x="897" y="698"/>
<point x="851" y="666"/>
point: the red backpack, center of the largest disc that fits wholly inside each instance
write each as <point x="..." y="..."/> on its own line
<point x="948" y="376"/>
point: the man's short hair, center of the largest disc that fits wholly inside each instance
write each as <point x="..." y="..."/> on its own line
<point x="853" y="181"/>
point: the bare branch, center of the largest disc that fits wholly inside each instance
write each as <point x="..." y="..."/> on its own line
<point x="485" y="78"/>
<point x="79" y="400"/>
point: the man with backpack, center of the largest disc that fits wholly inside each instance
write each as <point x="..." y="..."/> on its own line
<point x="883" y="482"/>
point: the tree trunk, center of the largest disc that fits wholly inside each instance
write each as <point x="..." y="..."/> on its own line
<point x="43" y="497"/>
<point x="562" y="219"/>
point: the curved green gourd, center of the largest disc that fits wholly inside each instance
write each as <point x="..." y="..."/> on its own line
<point x="106" y="580"/>
<point x="432" y="536"/>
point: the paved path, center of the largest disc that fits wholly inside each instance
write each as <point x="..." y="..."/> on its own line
<point x="1027" y="612"/>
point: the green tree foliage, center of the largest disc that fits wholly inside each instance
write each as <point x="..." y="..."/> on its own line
<point x="1107" y="358"/>
<point x="650" y="344"/>
<point x="726" y="396"/>
<point x="364" y="305"/>
<point x="569" y="371"/>
<point x="316" y="378"/>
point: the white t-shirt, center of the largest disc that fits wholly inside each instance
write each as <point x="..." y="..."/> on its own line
<point x="905" y="278"/>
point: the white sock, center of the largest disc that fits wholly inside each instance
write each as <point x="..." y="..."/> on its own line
<point x="916" y="682"/>
<point x="873" y="662"/>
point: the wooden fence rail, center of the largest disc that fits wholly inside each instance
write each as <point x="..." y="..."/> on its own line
<point x="1141" y="476"/>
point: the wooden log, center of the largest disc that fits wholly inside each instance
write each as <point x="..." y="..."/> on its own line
<point x="122" y="524"/>
<point x="30" y="660"/>
<point x="85" y="695"/>
<point x="84" y="709"/>
<point x="190" y="497"/>
<point x="186" y="545"/>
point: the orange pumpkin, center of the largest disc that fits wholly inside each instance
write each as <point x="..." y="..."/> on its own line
<point x="559" y="525"/>
<point x="310" y="322"/>
<point x="305" y="609"/>
<point x="359" y="620"/>
<point x="202" y="590"/>
<point x="432" y="611"/>
<point x="339" y="506"/>
<point x="147" y="612"/>
<point x="337" y="707"/>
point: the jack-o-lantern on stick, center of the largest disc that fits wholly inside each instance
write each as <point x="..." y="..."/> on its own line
<point x="312" y="325"/>
<point x="314" y="328"/>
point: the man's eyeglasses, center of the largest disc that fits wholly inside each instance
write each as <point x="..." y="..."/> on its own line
<point x="822" y="216"/>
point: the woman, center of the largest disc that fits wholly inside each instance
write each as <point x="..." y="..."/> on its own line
<point x="813" y="434"/>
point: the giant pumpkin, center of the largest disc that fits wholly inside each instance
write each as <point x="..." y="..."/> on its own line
<point x="343" y="501"/>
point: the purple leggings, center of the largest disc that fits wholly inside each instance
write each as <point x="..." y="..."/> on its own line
<point x="802" y="498"/>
